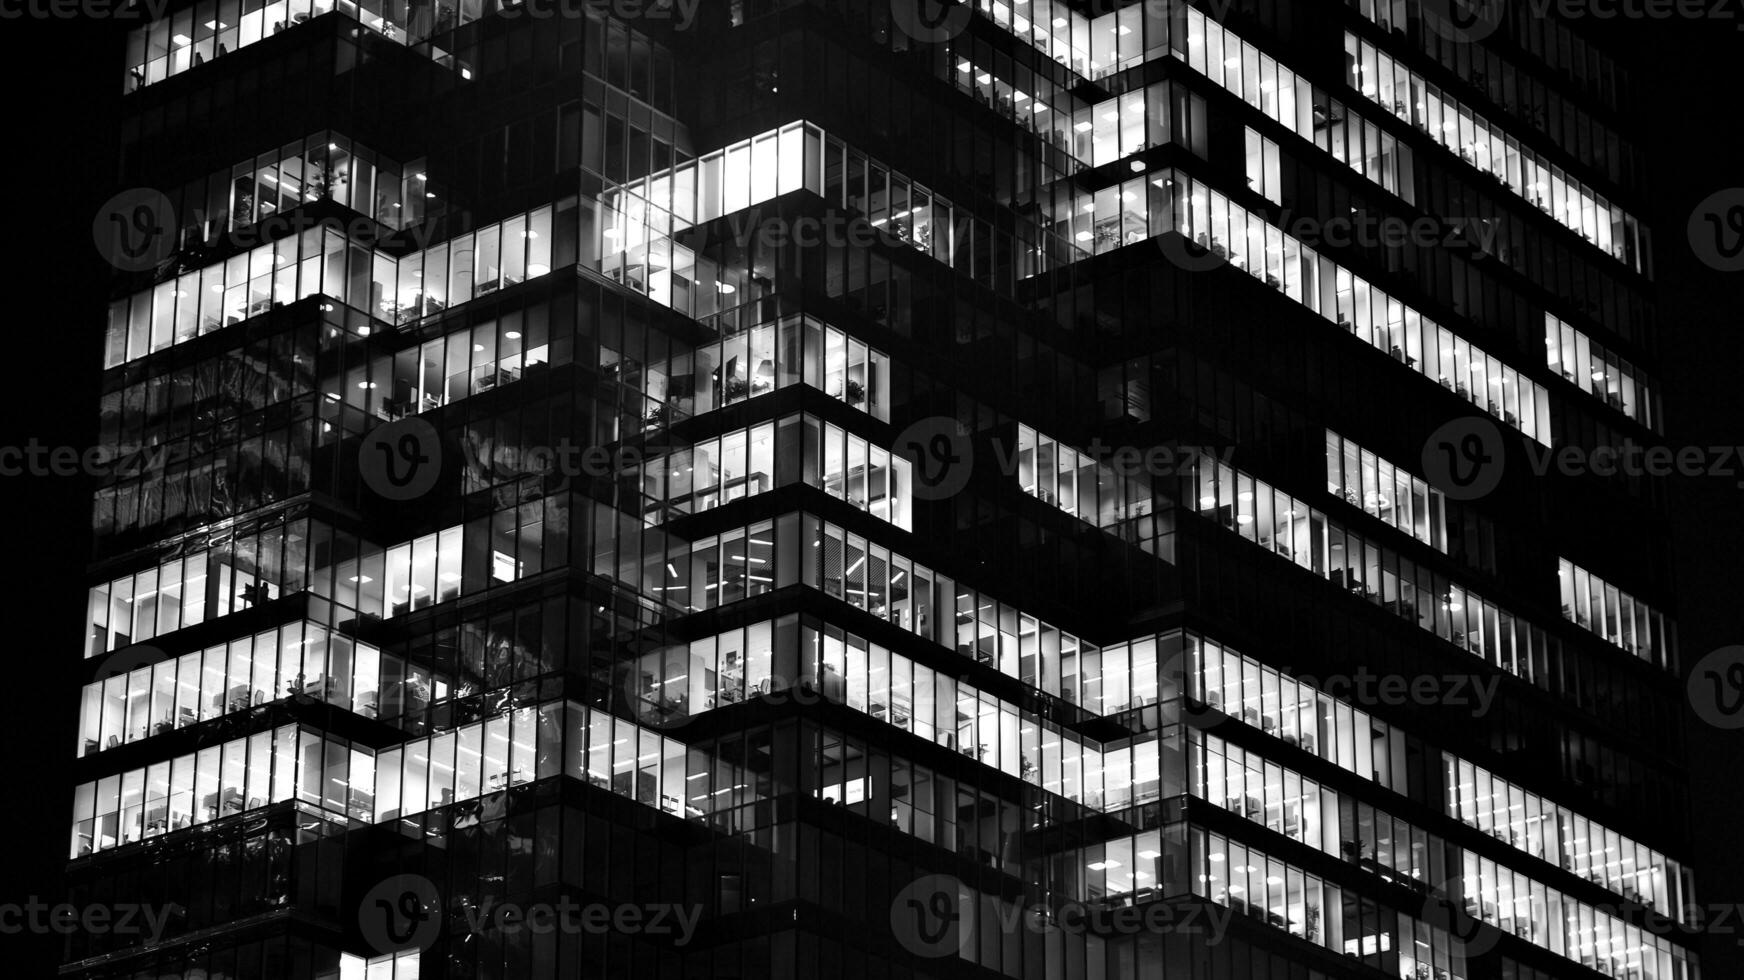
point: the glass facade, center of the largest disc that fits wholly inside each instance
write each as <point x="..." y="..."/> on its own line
<point x="1078" y="484"/>
<point x="190" y="38"/>
<point x="323" y="166"/>
<point x="1376" y="573"/>
<point x="1392" y="85"/>
<point x="775" y="658"/>
<point x="321" y="261"/>
<point x="1601" y="373"/>
<point x="1597" y="606"/>
<point x="1382" y="490"/>
<point x="293" y="556"/>
<point x="300" y="660"/>
<point x="1262" y="250"/>
<point x="794" y="448"/>
<point x="1249" y="785"/>
<point x="759" y="359"/>
<point x="1557" y="834"/>
<point x="244" y="571"/>
<point x="282" y="765"/>
<point x="1290" y="100"/>
<point x="1306" y="905"/>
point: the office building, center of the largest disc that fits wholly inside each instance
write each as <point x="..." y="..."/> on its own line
<point x="880" y="491"/>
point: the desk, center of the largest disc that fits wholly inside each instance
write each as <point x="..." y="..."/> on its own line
<point x="485" y="380"/>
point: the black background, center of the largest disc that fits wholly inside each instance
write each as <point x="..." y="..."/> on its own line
<point x="61" y="80"/>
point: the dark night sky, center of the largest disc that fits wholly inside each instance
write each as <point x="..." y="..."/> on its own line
<point x="61" y="82"/>
<point x="60" y="167"/>
<point x="1694" y="134"/>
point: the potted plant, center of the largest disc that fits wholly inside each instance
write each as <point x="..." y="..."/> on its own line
<point x="854" y="391"/>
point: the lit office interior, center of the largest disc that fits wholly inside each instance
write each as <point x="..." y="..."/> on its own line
<point x="322" y="261"/>
<point x="303" y="659"/>
<point x="191" y="37"/>
<point x="325" y="166"/>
